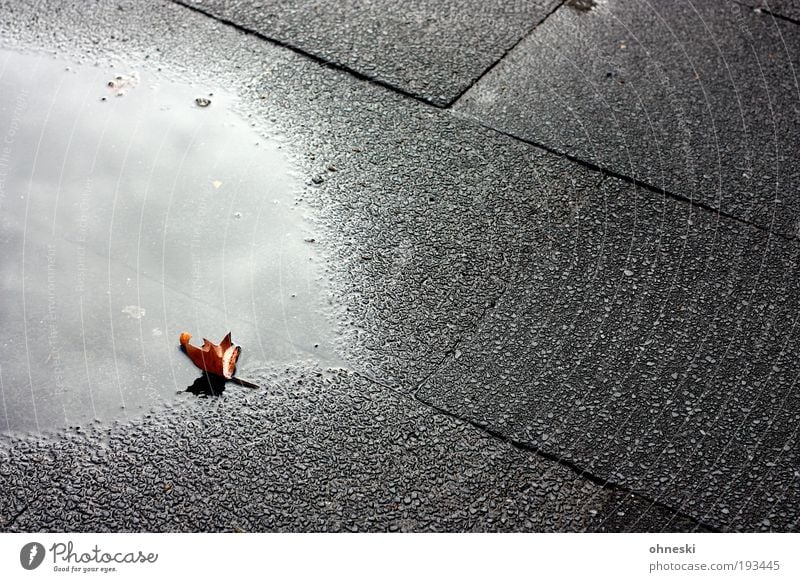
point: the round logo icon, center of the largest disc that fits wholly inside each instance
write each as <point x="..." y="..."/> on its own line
<point x="31" y="555"/>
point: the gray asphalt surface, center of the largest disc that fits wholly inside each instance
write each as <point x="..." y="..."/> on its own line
<point x="656" y="347"/>
<point x="695" y="98"/>
<point x="431" y="50"/>
<point x="311" y="451"/>
<point x="525" y="310"/>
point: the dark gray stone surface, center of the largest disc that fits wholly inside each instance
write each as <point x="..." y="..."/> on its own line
<point x="311" y="451"/>
<point x="432" y="50"/>
<point x="430" y="225"/>
<point x="698" y="98"/>
<point x="420" y="214"/>
<point x="653" y="345"/>
<point x="419" y="221"/>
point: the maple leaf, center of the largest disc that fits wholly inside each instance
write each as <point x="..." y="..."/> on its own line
<point x="212" y="358"/>
<point x="219" y="360"/>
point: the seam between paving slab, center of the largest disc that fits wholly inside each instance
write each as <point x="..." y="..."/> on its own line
<point x="490" y="304"/>
<point x="505" y="54"/>
<point x="314" y="57"/>
<point x="603" y="171"/>
<point x="779" y="16"/>
<point x="600" y="482"/>
<point x="764" y="10"/>
<point x="448" y="107"/>
<point x="525" y="447"/>
<point x="359" y="75"/>
<point x="581" y="473"/>
<point x="636" y="182"/>
<point x="566" y="463"/>
<point x="607" y="171"/>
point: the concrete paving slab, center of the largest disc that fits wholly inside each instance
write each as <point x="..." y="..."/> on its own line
<point x="427" y="221"/>
<point x="431" y="50"/>
<point x="418" y="219"/>
<point x="655" y="346"/>
<point x="419" y="214"/>
<point x="313" y="451"/>
<point x="698" y="99"/>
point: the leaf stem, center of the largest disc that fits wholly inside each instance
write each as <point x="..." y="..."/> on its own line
<point x="245" y="383"/>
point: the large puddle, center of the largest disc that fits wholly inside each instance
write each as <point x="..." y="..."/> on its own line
<point x="133" y="208"/>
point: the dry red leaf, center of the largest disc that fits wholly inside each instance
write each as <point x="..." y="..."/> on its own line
<point x="212" y="358"/>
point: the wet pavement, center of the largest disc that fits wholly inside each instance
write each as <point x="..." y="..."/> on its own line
<point x="514" y="339"/>
<point x="430" y="50"/>
<point x="314" y="452"/>
<point x="657" y="349"/>
<point x="696" y="99"/>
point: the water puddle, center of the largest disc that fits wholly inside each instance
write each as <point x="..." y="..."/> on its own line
<point x="133" y="208"/>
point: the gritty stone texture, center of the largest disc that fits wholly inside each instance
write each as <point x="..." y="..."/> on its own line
<point x="310" y="451"/>
<point x="784" y="8"/>
<point x="697" y="98"/>
<point x="419" y="213"/>
<point x="433" y="50"/>
<point x="655" y="346"/>
<point x="433" y="225"/>
<point x="418" y="219"/>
